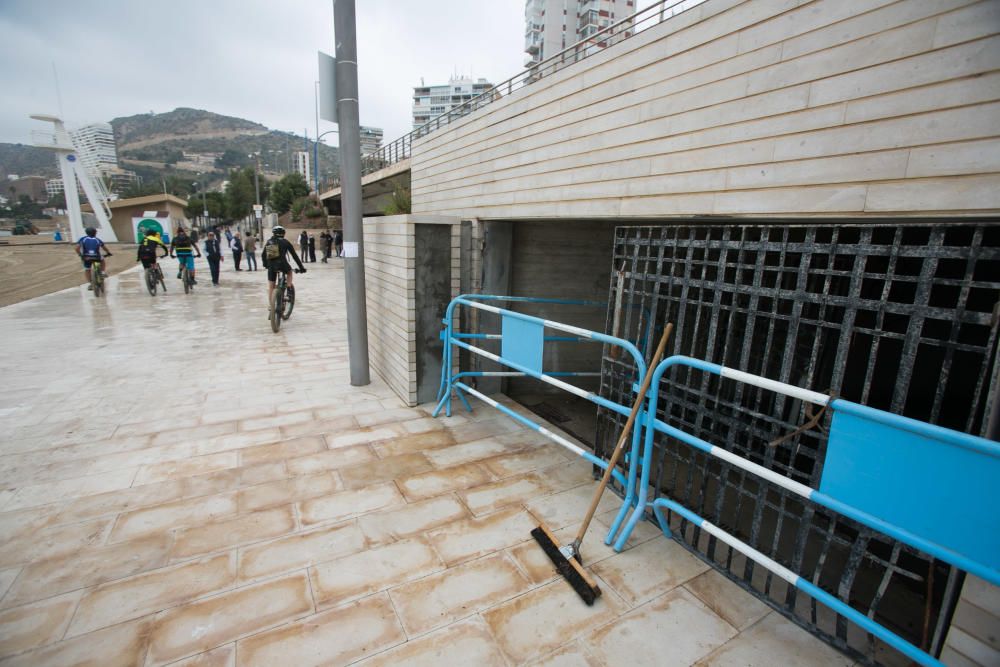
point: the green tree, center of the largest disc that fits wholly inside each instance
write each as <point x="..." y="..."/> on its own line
<point x="286" y="190"/>
<point x="240" y="193"/>
<point x="215" y="202"/>
<point x="58" y="200"/>
<point x="231" y="158"/>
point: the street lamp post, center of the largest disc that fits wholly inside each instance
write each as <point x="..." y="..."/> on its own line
<point x="256" y="186"/>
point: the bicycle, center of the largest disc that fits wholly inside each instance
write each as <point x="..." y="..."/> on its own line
<point x="154" y="275"/>
<point x="97" y="277"/>
<point x="187" y="280"/>
<point x="282" y="302"/>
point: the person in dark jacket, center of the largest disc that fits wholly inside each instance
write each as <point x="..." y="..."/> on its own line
<point x="312" y="248"/>
<point x="214" y="255"/>
<point x="327" y="239"/>
<point x="250" y="250"/>
<point x="304" y="245"/>
<point x="338" y="241"/>
<point x="237" y="248"/>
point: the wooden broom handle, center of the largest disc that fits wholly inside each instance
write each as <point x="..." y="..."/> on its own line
<point x="625" y="433"/>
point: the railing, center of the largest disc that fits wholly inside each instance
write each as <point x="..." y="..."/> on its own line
<point x="928" y="487"/>
<point x="617" y="32"/>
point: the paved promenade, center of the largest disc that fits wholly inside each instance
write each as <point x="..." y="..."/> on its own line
<point x="179" y="485"/>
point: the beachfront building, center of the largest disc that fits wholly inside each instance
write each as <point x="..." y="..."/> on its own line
<point x="552" y="25"/>
<point x="432" y="101"/>
<point x="371" y="139"/>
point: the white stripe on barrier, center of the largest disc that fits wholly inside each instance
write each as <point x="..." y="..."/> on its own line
<point x="751" y="553"/>
<point x="589" y="335"/>
<point x="769" y="475"/>
<point x="774" y="385"/>
<point x="483" y="306"/>
<point x="582" y="393"/>
<point x="561" y="440"/>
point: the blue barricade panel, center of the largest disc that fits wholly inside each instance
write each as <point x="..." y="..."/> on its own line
<point x="522" y="342"/>
<point x="937" y="484"/>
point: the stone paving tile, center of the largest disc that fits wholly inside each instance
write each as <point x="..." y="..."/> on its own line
<point x="409" y="444"/>
<point x="775" y="640"/>
<point x="467" y="642"/>
<point x="363" y="436"/>
<point x="413" y="519"/>
<point x="526" y="460"/>
<point x="158" y="518"/>
<point x="263" y="472"/>
<point x="574" y="654"/>
<point x="206" y="624"/>
<point x="300" y="550"/>
<point x="282" y="450"/>
<point x="52" y="542"/>
<point x="256" y="423"/>
<point x="197" y="465"/>
<point x="286" y="491"/>
<point x="470" y="538"/>
<point x="677" y="630"/>
<point x="336" y="637"/>
<point x="448" y="596"/>
<point x="7" y="578"/>
<point x="384" y="470"/>
<point x="649" y="570"/>
<point x="87" y="567"/>
<point x="488" y="498"/>
<point x="122" y="645"/>
<point x="142" y="594"/>
<point x="243" y="529"/>
<point x="36" y="624"/>
<point x="319" y="427"/>
<point x="42" y="494"/>
<point x="389" y="416"/>
<point x="563" y="509"/>
<point x="348" y="504"/>
<point x="545" y="618"/>
<point x="727" y="600"/>
<point x="468" y="452"/>
<point x="330" y="459"/>
<point x="224" y="656"/>
<point x="371" y="571"/>
<point x="439" y="482"/>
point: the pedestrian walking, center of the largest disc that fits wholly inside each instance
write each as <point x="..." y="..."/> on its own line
<point x="194" y="235"/>
<point x="213" y="253"/>
<point x="304" y="245"/>
<point x="338" y="241"/>
<point x="229" y="236"/>
<point x="327" y="246"/>
<point x="312" y="248"/>
<point x="237" y="248"/>
<point x="250" y="248"/>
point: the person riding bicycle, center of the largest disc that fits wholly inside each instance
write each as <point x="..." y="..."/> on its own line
<point x="147" y="249"/>
<point x="274" y="257"/>
<point x="89" y="249"/>
<point x="181" y="246"/>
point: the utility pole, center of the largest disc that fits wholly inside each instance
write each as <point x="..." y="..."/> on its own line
<point x="316" y="148"/>
<point x="346" y="40"/>
<point x="256" y="187"/>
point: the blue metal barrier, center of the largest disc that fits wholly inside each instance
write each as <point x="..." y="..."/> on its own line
<point x="522" y="343"/>
<point x="924" y="485"/>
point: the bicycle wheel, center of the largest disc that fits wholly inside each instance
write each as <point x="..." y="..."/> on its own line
<point x="185" y="280"/>
<point x="151" y="282"/>
<point x="276" y="307"/>
<point x="289" y="303"/>
<point x="159" y="277"/>
<point x="96" y="281"/>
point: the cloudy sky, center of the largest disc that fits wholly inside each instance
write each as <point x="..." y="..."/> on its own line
<point x="254" y="59"/>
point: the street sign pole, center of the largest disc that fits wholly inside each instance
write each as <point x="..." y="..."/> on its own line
<point x="345" y="37"/>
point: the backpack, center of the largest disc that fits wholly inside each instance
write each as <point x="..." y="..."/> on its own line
<point x="272" y="250"/>
<point x="147" y="249"/>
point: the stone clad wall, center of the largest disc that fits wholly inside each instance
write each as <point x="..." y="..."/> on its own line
<point x="736" y="107"/>
<point x="391" y="272"/>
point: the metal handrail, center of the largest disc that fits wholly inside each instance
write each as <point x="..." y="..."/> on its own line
<point x="642" y="20"/>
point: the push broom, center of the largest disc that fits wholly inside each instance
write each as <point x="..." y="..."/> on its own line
<point x="567" y="558"/>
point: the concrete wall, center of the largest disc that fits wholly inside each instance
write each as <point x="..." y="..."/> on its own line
<point x="736" y="107"/>
<point x="408" y="272"/>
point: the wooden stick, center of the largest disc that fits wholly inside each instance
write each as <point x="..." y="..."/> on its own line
<point x="624" y="436"/>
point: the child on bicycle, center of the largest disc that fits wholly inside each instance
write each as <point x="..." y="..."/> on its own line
<point x="181" y="246"/>
<point x="274" y="257"/>
<point x="89" y="249"/>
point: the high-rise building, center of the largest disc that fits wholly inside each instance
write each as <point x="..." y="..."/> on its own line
<point x="552" y="25"/>
<point x="371" y="139"/>
<point x="96" y="145"/>
<point x="431" y="101"/>
<point x="302" y="164"/>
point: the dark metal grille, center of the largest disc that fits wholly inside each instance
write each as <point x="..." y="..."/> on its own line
<point x="900" y="317"/>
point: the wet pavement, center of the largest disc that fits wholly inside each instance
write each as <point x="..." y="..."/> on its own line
<point x="179" y="485"/>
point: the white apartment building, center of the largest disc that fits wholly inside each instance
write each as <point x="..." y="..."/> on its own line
<point x="96" y="145"/>
<point x="552" y="25"/>
<point x="302" y="164"/>
<point x="371" y="139"/>
<point x="432" y="101"/>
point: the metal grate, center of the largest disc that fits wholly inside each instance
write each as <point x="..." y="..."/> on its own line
<point x="901" y="317"/>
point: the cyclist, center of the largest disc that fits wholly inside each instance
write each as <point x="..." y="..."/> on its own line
<point x="147" y="249"/>
<point x="274" y="257"/>
<point x="89" y="249"/>
<point x="181" y="246"/>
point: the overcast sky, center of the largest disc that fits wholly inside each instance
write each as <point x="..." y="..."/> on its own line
<point x="248" y="58"/>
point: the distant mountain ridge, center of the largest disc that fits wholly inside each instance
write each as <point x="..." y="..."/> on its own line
<point x="154" y="144"/>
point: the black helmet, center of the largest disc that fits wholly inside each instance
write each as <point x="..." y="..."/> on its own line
<point x="150" y="231"/>
<point x="91" y="231"/>
<point x="278" y="230"/>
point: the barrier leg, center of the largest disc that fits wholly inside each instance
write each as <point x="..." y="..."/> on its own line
<point x="633" y="467"/>
<point x="642" y="492"/>
<point x="461" y="395"/>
